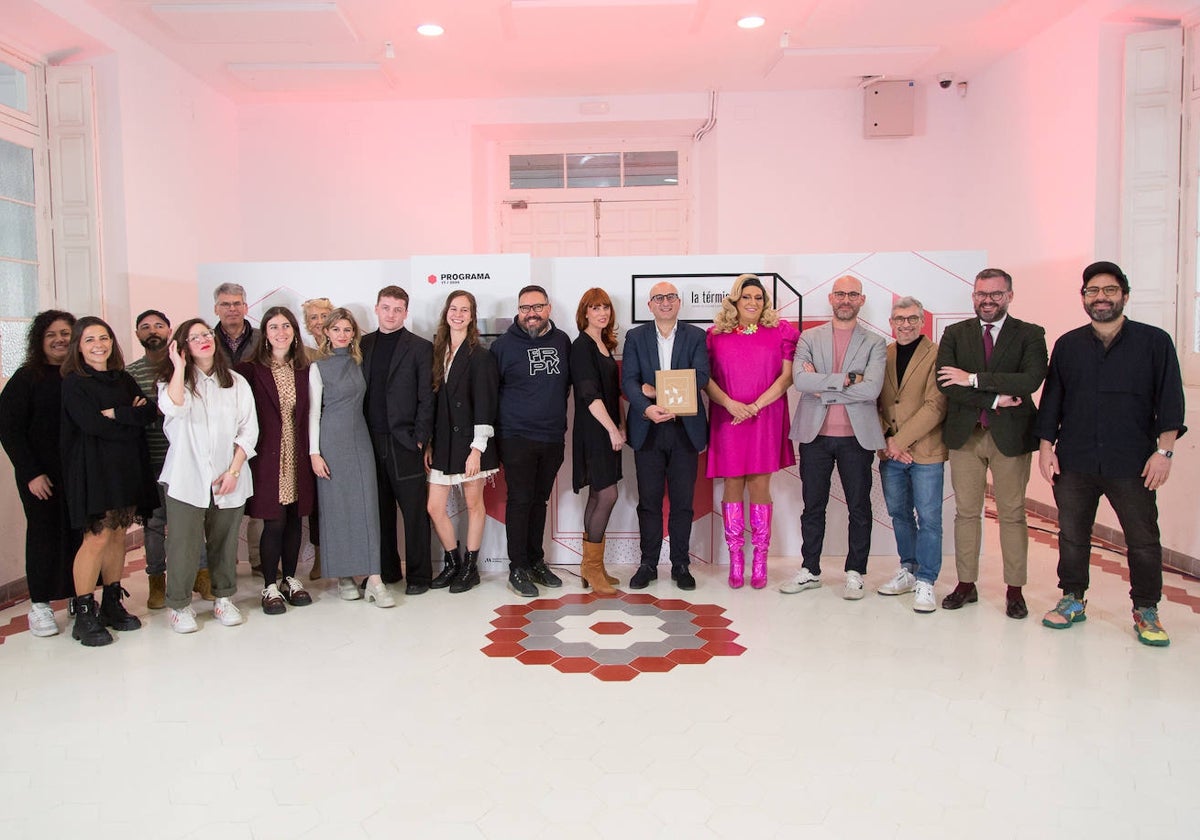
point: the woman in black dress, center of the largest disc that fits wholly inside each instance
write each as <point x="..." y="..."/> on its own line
<point x="466" y="387"/>
<point x="599" y="429"/>
<point x="107" y="473"/>
<point x="30" y="416"/>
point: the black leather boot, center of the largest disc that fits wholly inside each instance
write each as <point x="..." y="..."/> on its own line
<point x="113" y="612"/>
<point x="451" y="563"/>
<point x="468" y="574"/>
<point x="88" y="629"/>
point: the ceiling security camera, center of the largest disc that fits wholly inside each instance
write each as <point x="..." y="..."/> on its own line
<point x="945" y="80"/>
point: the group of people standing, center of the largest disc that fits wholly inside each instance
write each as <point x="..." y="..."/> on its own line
<point x="220" y="419"/>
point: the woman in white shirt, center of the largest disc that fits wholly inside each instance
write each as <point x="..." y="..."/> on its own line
<point x="211" y="424"/>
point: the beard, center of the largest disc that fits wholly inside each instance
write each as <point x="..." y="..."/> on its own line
<point x="1105" y="316"/>
<point x="153" y="343"/>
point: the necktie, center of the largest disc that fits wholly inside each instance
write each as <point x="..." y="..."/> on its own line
<point x="988" y="346"/>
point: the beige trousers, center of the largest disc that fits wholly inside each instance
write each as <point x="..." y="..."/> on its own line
<point x="1010" y="474"/>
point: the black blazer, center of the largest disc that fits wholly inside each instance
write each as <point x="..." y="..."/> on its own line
<point x="1017" y="368"/>
<point x="409" y="388"/>
<point x="468" y="398"/>
<point x="638" y="366"/>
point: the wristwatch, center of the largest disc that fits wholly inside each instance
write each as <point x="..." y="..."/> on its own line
<point x="1166" y="453"/>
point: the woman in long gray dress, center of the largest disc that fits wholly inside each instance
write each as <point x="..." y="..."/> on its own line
<point x="344" y="463"/>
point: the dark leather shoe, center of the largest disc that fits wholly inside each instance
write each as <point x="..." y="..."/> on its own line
<point x="683" y="578"/>
<point x="1015" y="605"/>
<point x="519" y="582"/>
<point x="416" y="589"/>
<point x="642" y="577"/>
<point x="964" y="593"/>
<point x="540" y="573"/>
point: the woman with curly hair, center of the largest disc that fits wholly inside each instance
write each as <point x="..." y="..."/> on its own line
<point x="466" y="389"/>
<point x="30" y="417"/>
<point x="283" y="478"/>
<point x="599" y="434"/>
<point x="212" y="425"/>
<point x="106" y="466"/>
<point x="339" y="446"/>
<point x="750" y="349"/>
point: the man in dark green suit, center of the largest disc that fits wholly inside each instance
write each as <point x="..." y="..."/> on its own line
<point x="988" y="368"/>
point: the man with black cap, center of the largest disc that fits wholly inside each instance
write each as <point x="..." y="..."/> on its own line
<point x="1111" y="412"/>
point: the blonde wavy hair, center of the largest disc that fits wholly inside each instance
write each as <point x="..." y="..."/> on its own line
<point x="727" y="319"/>
<point x="326" y="346"/>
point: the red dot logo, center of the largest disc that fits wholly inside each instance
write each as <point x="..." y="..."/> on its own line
<point x="432" y="278"/>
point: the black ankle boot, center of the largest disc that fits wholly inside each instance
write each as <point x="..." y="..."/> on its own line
<point x="113" y="612"/>
<point x="88" y="629"/>
<point x="468" y="574"/>
<point x="451" y="563"/>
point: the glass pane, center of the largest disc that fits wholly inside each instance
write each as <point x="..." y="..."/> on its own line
<point x="603" y="170"/>
<point x="14" y="88"/>
<point x="535" y="172"/>
<point x="12" y="346"/>
<point x="18" y="290"/>
<point x="16" y="171"/>
<point x="18" y="231"/>
<point x="651" y="169"/>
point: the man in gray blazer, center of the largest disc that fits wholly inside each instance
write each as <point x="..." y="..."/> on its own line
<point x="838" y="371"/>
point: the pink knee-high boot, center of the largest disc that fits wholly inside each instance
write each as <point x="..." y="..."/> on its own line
<point x="760" y="538"/>
<point x="735" y="538"/>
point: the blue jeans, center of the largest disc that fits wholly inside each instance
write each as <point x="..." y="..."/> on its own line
<point x="916" y="489"/>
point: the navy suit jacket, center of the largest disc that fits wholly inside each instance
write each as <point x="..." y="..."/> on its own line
<point x="638" y="365"/>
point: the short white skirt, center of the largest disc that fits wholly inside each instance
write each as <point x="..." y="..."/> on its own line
<point x="439" y="477"/>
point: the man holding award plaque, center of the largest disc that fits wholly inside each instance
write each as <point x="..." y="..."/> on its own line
<point x="664" y="367"/>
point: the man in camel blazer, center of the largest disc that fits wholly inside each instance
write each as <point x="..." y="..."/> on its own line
<point x="912" y="464"/>
<point x="989" y="427"/>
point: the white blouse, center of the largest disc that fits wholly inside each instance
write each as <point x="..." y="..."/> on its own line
<point x="202" y="433"/>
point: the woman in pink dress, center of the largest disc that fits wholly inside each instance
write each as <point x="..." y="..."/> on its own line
<point x="750" y="349"/>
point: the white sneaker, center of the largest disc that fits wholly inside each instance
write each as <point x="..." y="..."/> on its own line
<point x="901" y="583"/>
<point x="41" y="620"/>
<point x="924" y="602"/>
<point x="348" y="589"/>
<point x="184" y="620"/>
<point x="226" y="612"/>
<point x="854" y="587"/>
<point x="380" y="595"/>
<point x="804" y="580"/>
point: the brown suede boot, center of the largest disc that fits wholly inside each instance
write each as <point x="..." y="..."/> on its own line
<point x="156" y="599"/>
<point x="603" y="570"/>
<point x="203" y="585"/>
<point x="592" y="569"/>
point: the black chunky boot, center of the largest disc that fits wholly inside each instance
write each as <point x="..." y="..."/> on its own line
<point x="88" y="630"/>
<point x="451" y="563"/>
<point x="113" y="612"/>
<point x="468" y="574"/>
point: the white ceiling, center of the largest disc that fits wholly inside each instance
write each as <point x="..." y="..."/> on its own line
<point x="264" y="50"/>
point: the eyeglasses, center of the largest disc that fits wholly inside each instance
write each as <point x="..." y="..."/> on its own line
<point x="199" y="337"/>
<point x="994" y="297"/>
<point x="847" y="295"/>
<point x="667" y="298"/>
<point x="227" y="304"/>
<point x="907" y="319"/>
<point x="535" y="308"/>
<point x="1107" y="291"/>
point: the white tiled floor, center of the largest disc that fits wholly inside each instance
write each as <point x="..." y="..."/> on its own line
<point x="841" y="720"/>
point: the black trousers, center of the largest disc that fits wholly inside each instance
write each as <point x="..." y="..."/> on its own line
<point x="530" y="467"/>
<point x="817" y="460"/>
<point x="50" y="546"/>
<point x="667" y="465"/>
<point x="400" y="475"/>
<point x="1077" y="495"/>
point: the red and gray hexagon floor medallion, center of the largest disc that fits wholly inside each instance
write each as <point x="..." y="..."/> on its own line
<point x="613" y="639"/>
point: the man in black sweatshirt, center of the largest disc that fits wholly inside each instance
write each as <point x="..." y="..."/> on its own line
<point x="534" y="383"/>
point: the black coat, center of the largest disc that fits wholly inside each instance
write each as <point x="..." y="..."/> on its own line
<point x="106" y="464"/>
<point x="409" y="388"/>
<point x="264" y="466"/>
<point x="468" y="398"/>
<point x="30" y="419"/>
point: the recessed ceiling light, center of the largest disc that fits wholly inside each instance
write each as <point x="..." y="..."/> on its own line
<point x="430" y="30"/>
<point x="752" y="22"/>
